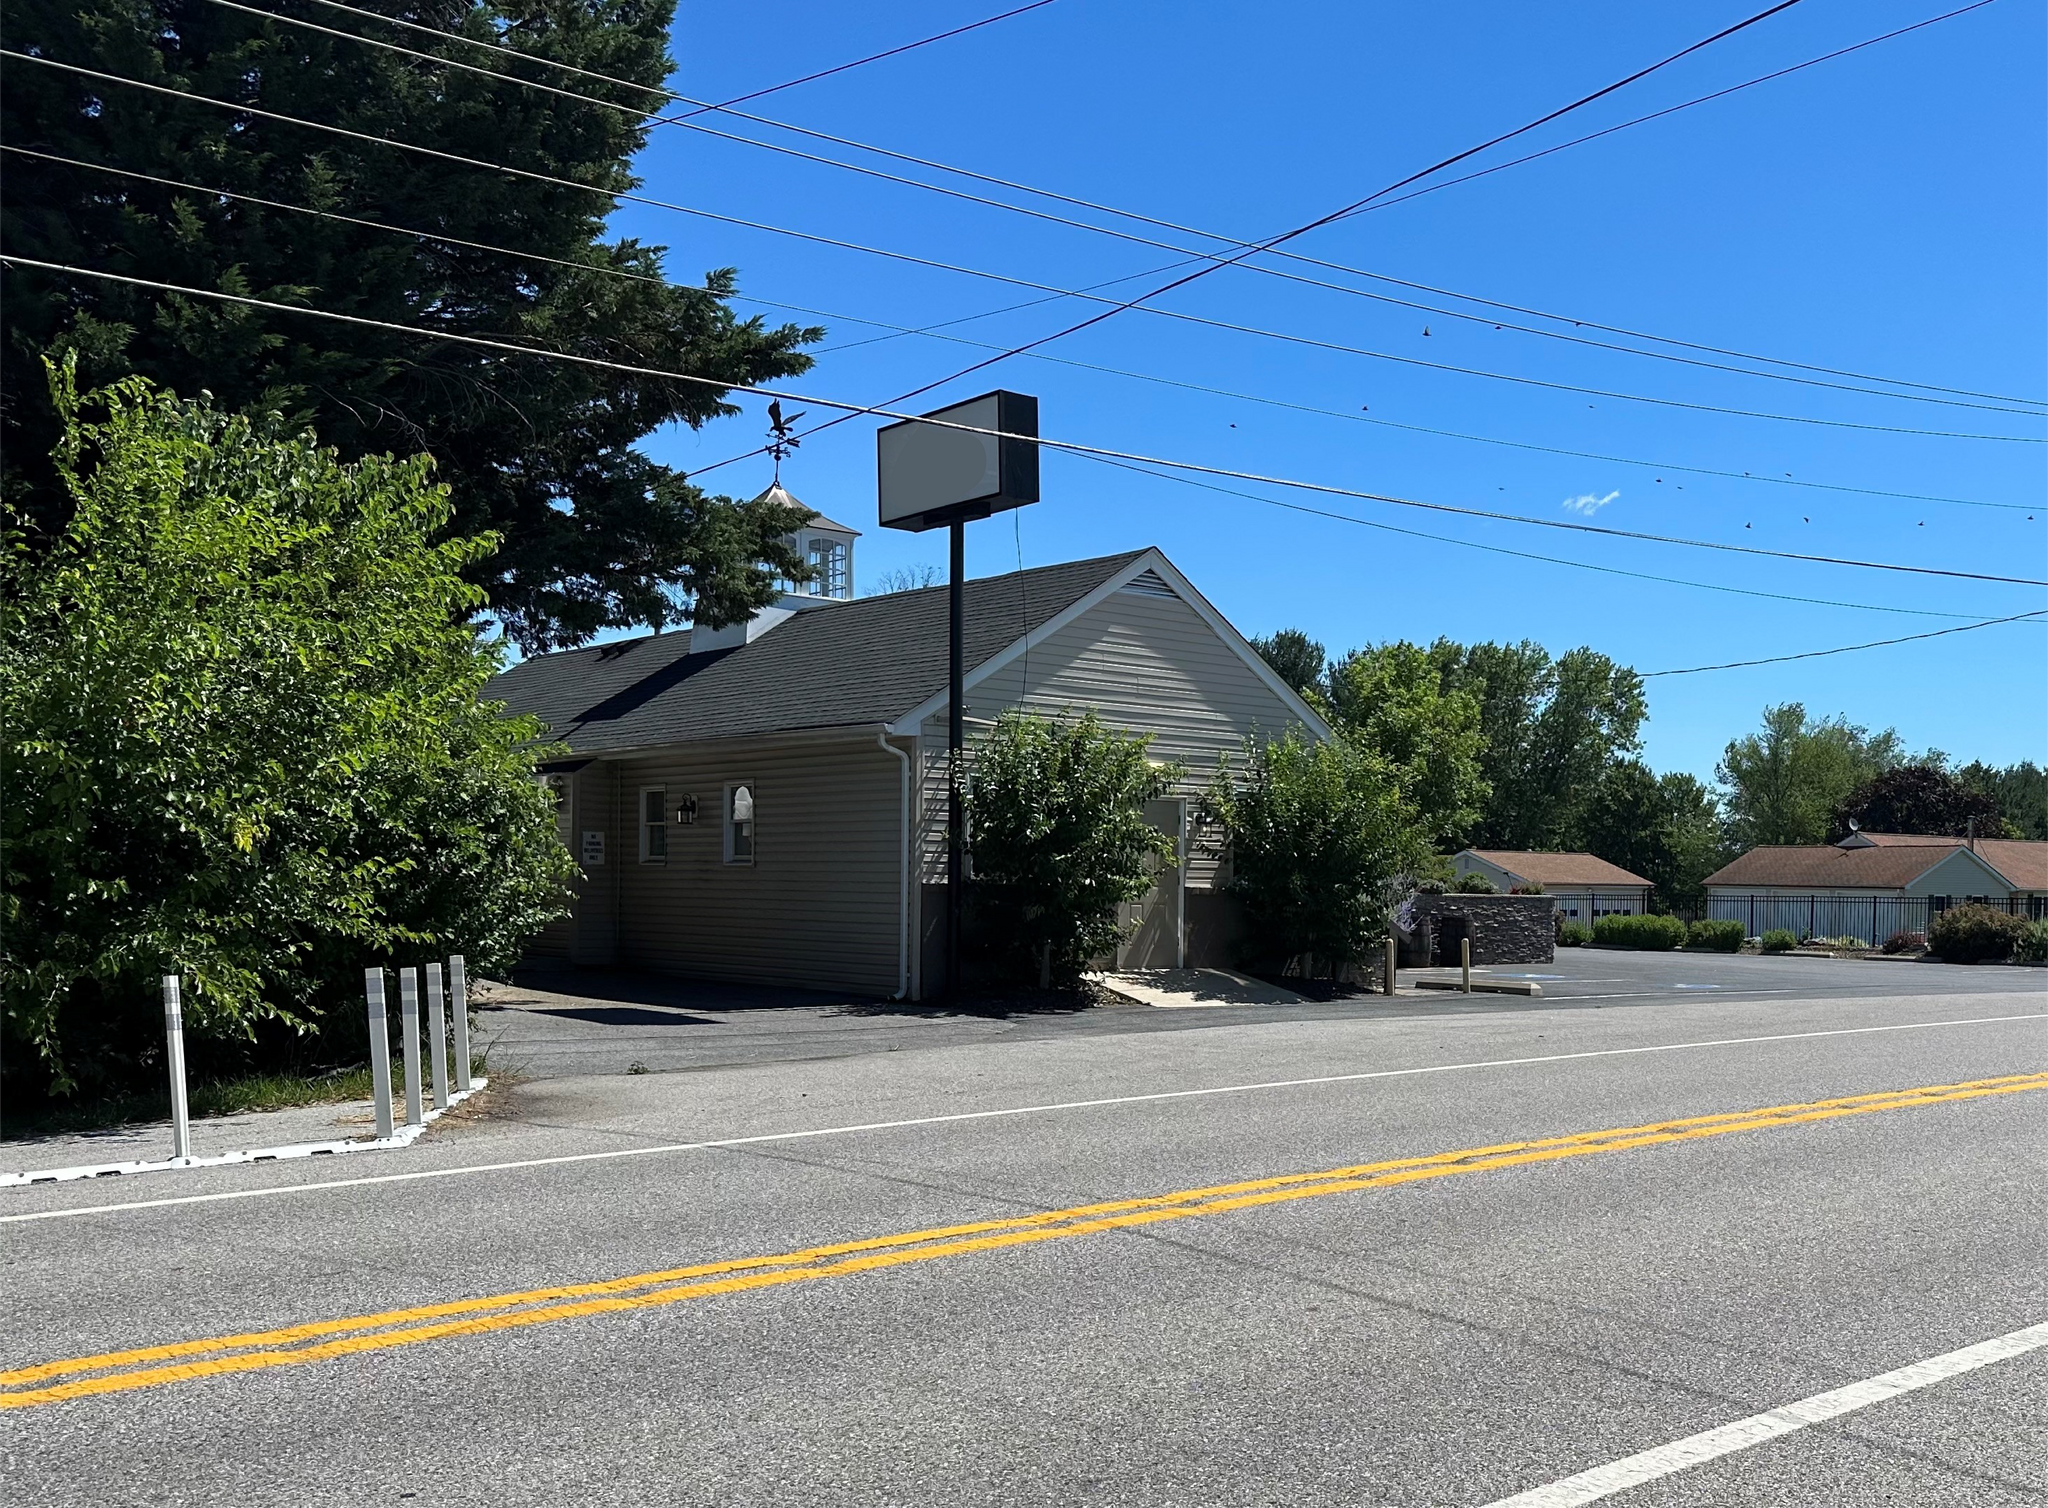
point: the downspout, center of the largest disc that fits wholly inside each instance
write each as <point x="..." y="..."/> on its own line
<point x="903" y="872"/>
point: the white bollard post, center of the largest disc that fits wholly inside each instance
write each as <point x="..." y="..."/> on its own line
<point x="174" y="1056"/>
<point x="1390" y="965"/>
<point x="458" y="1002"/>
<point x="380" y="1051"/>
<point x="437" y="1034"/>
<point x="409" y="1025"/>
<point x="1465" y="961"/>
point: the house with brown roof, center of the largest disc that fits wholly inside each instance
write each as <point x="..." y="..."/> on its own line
<point x="1870" y="885"/>
<point x="1583" y="886"/>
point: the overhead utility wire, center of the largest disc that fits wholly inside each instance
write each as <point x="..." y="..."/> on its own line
<point x="901" y="256"/>
<point x="873" y="57"/>
<point x="1195" y="253"/>
<point x="662" y="89"/>
<point x="933" y="332"/>
<point x="1815" y="654"/>
<point x="1074" y="447"/>
<point x="1289" y="255"/>
<point x="1301" y="230"/>
<point x="1558" y="560"/>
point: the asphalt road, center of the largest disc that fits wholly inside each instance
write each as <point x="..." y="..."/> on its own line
<point x="981" y="1296"/>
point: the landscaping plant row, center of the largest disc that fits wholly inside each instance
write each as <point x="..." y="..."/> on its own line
<point x="1962" y="934"/>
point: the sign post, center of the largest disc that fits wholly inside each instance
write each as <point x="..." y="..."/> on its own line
<point x="958" y="463"/>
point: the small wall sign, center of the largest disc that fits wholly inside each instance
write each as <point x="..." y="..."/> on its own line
<point x="593" y="849"/>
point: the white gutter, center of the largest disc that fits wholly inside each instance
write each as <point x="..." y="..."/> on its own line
<point x="903" y="874"/>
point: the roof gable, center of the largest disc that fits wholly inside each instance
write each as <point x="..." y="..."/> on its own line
<point x="1874" y="866"/>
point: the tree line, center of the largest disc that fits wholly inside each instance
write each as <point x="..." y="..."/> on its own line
<point x="1506" y="746"/>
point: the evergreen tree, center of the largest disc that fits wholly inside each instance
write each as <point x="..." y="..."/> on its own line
<point x="541" y="452"/>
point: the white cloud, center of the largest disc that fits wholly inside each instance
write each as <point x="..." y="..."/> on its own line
<point x="1588" y="504"/>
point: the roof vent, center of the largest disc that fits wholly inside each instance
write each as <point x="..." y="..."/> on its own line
<point x="1148" y="584"/>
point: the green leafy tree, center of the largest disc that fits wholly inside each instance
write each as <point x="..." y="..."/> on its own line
<point x="243" y="744"/>
<point x="1319" y="840"/>
<point x="1392" y="698"/>
<point x="2021" y="791"/>
<point x="1296" y="659"/>
<point x="1056" y="824"/>
<point x="1665" y="828"/>
<point x="540" y="452"/>
<point x="1921" y="797"/>
<point x="1783" y="783"/>
<point x="1550" y="728"/>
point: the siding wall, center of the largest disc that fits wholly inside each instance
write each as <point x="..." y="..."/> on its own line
<point x="1145" y="663"/>
<point x="816" y="908"/>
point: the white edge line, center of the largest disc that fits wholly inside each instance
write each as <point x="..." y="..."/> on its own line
<point x="1695" y="1450"/>
<point x="980" y="1115"/>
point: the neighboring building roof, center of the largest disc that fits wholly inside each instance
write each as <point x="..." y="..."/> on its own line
<point x="1880" y="861"/>
<point x="1548" y="869"/>
<point x="866" y="661"/>
<point x="2023" y="862"/>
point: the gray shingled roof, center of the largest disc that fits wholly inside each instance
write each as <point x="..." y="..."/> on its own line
<point x="867" y="661"/>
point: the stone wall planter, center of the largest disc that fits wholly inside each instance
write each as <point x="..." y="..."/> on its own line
<point x="1503" y="929"/>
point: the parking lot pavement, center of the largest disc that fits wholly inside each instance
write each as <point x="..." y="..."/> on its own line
<point x="600" y="1023"/>
<point x="1618" y="975"/>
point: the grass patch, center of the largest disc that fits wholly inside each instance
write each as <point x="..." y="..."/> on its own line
<point x="263" y="1091"/>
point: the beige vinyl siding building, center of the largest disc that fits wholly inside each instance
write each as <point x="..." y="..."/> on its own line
<point x="832" y="717"/>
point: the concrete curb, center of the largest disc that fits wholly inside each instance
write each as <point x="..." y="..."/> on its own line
<point x="403" y="1136"/>
<point x="1483" y="986"/>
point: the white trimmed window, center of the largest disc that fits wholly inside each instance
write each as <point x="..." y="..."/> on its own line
<point x="654" y="825"/>
<point x="739" y="822"/>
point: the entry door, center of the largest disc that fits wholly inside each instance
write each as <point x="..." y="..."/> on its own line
<point x="1158" y="930"/>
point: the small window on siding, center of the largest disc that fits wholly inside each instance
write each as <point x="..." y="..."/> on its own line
<point x="739" y="822"/>
<point x="654" y="826"/>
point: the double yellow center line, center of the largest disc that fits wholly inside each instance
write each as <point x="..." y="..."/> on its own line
<point x="323" y="1340"/>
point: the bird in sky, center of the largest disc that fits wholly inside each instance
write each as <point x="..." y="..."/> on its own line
<point x="1425" y="329"/>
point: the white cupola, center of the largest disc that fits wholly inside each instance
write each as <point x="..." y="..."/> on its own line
<point x="826" y="547"/>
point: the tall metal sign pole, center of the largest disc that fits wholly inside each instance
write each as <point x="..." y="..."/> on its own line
<point x="959" y="463"/>
<point x="956" y="746"/>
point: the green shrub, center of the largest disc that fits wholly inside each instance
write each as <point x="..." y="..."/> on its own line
<point x="1905" y="942"/>
<point x="1843" y="944"/>
<point x="1779" y="940"/>
<point x="1320" y="842"/>
<point x="1056" y="816"/>
<point x="1975" y="933"/>
<point x="1534" y="887"/>
<point x="244" y="744"/>
<point x="1654" y="933"/>
<point x="1574" y="935"/>
<point x="1715" y="936"/>
<point x="2033" y="944"/>
<point x="1475" y="884"/>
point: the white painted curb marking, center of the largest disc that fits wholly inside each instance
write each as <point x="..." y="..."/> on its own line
<point x="403" y="1136"/>
<point x="1694" y="1450"/>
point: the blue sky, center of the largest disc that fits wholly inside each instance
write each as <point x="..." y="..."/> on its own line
<point x="1879" y="214"/>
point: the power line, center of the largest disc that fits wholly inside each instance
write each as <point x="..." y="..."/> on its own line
<point x="1289" y="255"/>
<point x="1192" y="253"/>
<point x="1074" y="447"/>
<point x="1303" y="229"/>
<point x="933" y="332"/>
<point x="873" y="57"/>
<point x="1815" y="654"/>
<point x="1114" y="305"/>
<point x="1471" y="544"/>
